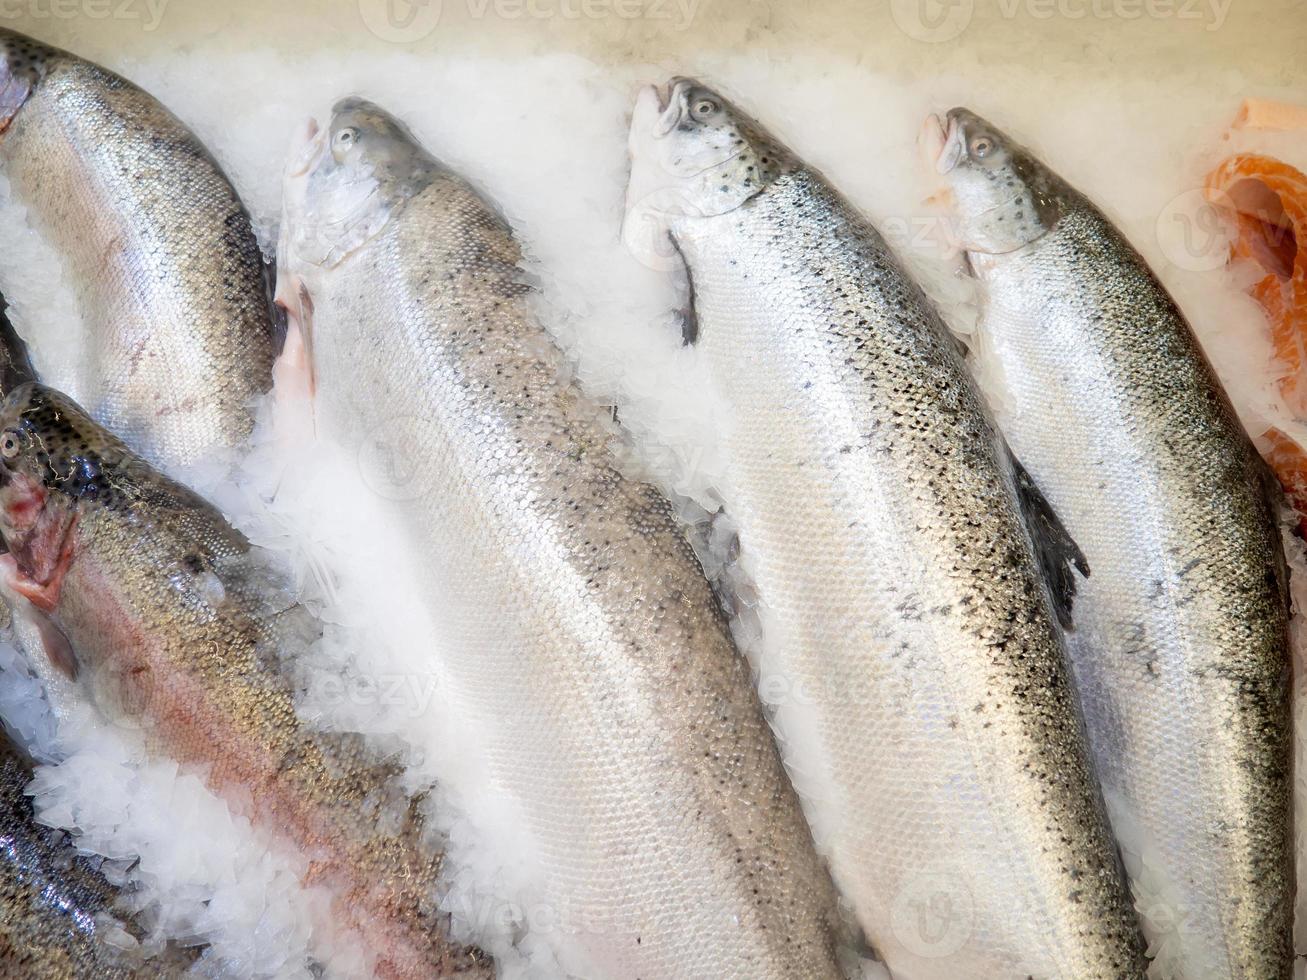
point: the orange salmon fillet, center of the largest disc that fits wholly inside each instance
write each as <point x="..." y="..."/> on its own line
<point x="1265" y="202"/>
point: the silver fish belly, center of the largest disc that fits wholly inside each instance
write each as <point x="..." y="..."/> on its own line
<point x="169" y="278"/>
<point x="587" y="653"/>
<point x="910" y="647"/>
<point x="1181" y="647"/>
<point x="1181" y="642"/>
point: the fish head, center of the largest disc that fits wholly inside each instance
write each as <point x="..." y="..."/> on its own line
<point x="54" y="463"/>
<point x="694" y="155"/>
<point x="23" y="63"/>
<point x="346" y="181"/>
<point x="343" y="185"/>
<point x="1002" y="197"/>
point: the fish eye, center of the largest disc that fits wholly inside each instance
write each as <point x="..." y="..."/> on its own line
<point x="347" y="138"/>
<point x="9" y="445"/>
<point x="703" y="108"/>
<point x="981" y="147"/>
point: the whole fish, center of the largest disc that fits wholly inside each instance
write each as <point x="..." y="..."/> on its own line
<point x="170" y="281"/>
<point x="584" y="646"/>
<point x="179" y="627"/>
<point x="59" y="918"/>
<point x="1181" y="648"/>
<point x="900" y="558"/>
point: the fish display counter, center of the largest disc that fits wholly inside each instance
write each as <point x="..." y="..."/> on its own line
<point x="652" y="489"/>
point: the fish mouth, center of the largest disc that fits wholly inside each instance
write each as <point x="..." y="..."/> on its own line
<point x="306" y="148"/>
<point x="941" y="141"/>
<point x="658" y="109"/>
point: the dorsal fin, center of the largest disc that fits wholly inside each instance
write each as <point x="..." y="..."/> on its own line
<point x="1056" y="550"/>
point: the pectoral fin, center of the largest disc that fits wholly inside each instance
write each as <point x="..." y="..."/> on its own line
<point x="1055" y="549"/>
<point x="56" y="645"/>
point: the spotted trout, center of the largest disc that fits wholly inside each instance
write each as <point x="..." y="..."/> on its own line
<point x="1181" y="648"/>
<point x="60" y="919"/>
<point x="908" y="572"/>
<point x="155" y="242"/>
<point x="586" y="653"/>
<point x="176" y="626"/>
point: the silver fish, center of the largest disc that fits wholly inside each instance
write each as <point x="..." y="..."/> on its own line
<point x="900" y="557"/>
<point x="586" y="651"/>
<point x="1181" y="646"/>
<point x="170" y="281"/>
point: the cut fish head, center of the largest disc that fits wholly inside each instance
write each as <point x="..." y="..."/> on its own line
<point x="1002" y="197"/>
<point x="693" y="155"/>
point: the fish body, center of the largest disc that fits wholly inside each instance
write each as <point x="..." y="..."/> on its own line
<point x="1181" y="642"/>
<point x="169" y="278"/>
<point x="584" y="648"/>
<point x="181" y="629"/>
<point x="60" y="919"/>
<point x="910" y="643"/>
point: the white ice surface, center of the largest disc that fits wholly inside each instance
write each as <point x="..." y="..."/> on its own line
<point x="534" y="109"/>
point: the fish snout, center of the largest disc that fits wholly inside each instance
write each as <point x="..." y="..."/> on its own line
<point x="305" y="148"/>
<point x="941" y="141"/>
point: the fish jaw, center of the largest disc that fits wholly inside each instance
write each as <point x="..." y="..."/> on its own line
<point x="647" y="223"/>
<point x="40" y="534"/>
<point x="656" y="197"/>
<point x="940" y="141"/>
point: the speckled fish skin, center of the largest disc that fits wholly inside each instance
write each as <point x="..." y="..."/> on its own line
<point x="924" y="693"/>
<point x="1181" y="647"/>
<point x="55" y="908"/>
<point x="169" y="278"/>
<point x="184" y="630"/>
<point x="585" y="648"/>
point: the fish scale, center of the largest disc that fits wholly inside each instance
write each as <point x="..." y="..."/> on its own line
<point x="1181" y="645"/>
<point x="168" y="276"/>
<point x="184" y="631"/>
<point x="919" y="681"/>
<point x="586" y="655"/>
<point x="56" y="910"/>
